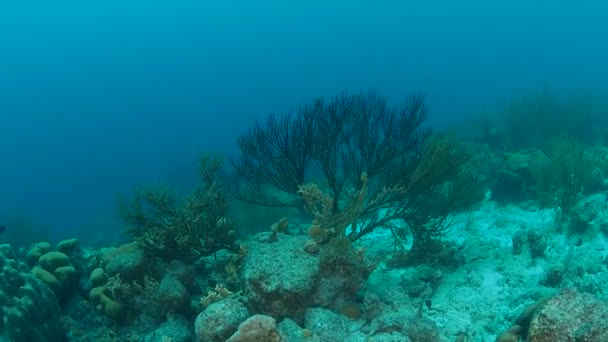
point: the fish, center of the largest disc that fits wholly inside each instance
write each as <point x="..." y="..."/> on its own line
<point x="2" y="228"/>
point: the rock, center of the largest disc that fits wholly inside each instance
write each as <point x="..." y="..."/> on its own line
<point x="280" y="278"/>
<point x="327" y="325"/>
<point x="258" y="328"/>
<point x="220" y="320"/>
<point x="570" y="316"/>
<point x="128" y="261"/>
<point x="181" y="271"/>
<point x="295" y="333"/>
<point x="175" y="329"/>
<point x="538" y="243"/>
<point x="519" y="240"/>
<point x="172" y="294"/>
<point x="343" y="274"/>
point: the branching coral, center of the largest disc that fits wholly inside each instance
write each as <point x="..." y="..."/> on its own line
<point x="355" y="164"/>
<point x="562" y="182"/>
<point x="327" y="221"/>
<point x="172" y="226"/>
<point x="442" y="182"/>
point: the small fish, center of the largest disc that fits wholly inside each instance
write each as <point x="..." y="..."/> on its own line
<point x="2" y="228"/>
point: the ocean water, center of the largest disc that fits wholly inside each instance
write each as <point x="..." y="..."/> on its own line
<point x="98" y="96"/>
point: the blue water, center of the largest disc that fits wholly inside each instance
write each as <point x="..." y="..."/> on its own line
<point x="97" y="96"/>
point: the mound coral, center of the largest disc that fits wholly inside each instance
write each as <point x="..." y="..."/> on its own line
<point x="29" y="310"/>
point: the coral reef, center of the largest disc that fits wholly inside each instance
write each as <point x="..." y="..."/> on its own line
<point x="390" y="234"/>
<point x="29" y="309"/>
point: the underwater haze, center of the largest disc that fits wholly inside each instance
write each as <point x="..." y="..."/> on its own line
<point x="98" y="96"/>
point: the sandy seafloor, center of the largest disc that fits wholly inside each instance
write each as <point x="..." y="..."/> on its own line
<point x="483" y="296"/>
